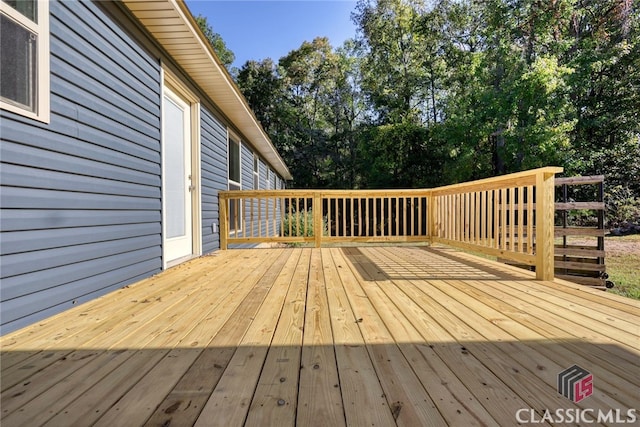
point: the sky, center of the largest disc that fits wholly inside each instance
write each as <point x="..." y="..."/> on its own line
<point x="271" y="29"/>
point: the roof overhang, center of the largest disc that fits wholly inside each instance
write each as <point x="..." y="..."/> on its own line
<point x="176" y="31"/>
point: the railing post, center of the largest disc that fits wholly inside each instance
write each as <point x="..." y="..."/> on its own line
<point x="224" y="221"/>
<point x="432" y="216"/>
<point x="317" y="218"/>
<point x="545" y="209"/>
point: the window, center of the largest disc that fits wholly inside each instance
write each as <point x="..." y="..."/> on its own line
<point x="233" y="163"/>
<point x="256" y="172"/>
<point x="268" y="183"/>
<point x="24" y="57"/>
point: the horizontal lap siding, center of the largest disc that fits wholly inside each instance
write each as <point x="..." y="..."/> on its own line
<point x="213" y="140"/>
<point x="81" y="196"/>
<point x="246" y="178"/>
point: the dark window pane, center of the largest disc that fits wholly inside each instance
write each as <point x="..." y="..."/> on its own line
<point x="18" y="50"/>
<point x="28" y="8"/>
<point x="234" y="161"/>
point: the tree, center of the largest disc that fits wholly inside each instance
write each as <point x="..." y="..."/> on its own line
<point x="263" y="88"/>
<point x="394" y="78"/>
<point x="513" y="91"/>
<point x="225" y="55"/>
<point x="605" y="89"/>
<point x="443" y="91"/>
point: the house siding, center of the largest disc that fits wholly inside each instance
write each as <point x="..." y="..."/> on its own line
<point x="81" y="196"/>
<point x="213" y="140"/>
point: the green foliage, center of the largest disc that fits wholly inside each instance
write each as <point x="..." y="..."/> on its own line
<point x="621" y="206"/>
<point x="225" y="55"/>
<point x="399" y="156"/>
<point x="301" y="224"/>
<point x="262" y="87"/>
<point x="437" y="92"/>
<point x="581" y="218"/>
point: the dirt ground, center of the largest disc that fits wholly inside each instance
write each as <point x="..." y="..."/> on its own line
<point x="613" y="245"/>
<point x="619" y="246"/>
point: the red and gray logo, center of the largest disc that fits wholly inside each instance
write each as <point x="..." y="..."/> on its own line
<point x="575" y="383"/>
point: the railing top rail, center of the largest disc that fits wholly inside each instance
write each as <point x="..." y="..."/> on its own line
<point x="516" y="179"/>
<point x="513" y="179"/>
<point x="324" y="193"/>
<point x="580" y="180"/>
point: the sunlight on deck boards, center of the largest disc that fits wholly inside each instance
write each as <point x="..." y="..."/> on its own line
<point x="380" y="336"/>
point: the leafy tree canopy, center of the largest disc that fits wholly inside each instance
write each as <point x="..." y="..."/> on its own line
<point x="219" y="46"/>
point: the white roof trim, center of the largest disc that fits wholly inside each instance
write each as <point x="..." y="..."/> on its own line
<point x="175" y="30"/>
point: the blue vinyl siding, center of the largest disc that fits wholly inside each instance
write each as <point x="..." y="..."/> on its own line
<point x="246" y="161"/>
<point x="213" y="146"/>
<point x="81" y="196"/>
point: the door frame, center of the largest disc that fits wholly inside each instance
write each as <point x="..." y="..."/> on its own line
<point x="174" y="84"/>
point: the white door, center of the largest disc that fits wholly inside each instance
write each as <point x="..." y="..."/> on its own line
<point x="177" y="174"/>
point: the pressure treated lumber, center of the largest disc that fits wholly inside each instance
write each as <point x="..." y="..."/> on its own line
<point x="399" y="335"/>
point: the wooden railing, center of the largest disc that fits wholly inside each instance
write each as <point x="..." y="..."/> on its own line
<point x="510" y="216"/>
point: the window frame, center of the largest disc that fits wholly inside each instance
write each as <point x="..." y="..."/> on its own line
<point x="256" y="172"/>
<point x="232" y="137"/>
<point x="41" y="30"/>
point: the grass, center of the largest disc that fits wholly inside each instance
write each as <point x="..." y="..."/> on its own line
<point x="623" y="264"/>
<point x="622" y="260"/>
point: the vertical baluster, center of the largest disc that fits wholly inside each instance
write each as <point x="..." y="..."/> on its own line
<point x="485" y="219"/>
<point x="266" y="212"/>
<point x="252" y="217"/>
<point x="329" y="219"/>
<point x="367" y="233"/>
<point x="275" y="213"/>
<point x="512" y="222"/>
<point x="344" y="216"/>
<point x="290" y="208"/>
<point x="237" y="218"/>
<point x="521" y="246"/>
<point x="352" y="216"/>
<point x="405" y="213"/>
<point x="224" y="223"/>
<point x="503" y="219"/>
<point x="281" y="216"/>
<point x="359" y="213"/>
<point x="412" y="223"/>
<point x="476" y="215"/>
<point x="375" y="216"/>
<point x="438" y="227"/>
<point x="396" y="222"/>
<point x="297" y="217"/>
<point x="467" y="217"/>
<point x="306" y="216"/>
<point x="460" y="217"/>
<point x="530" y="217"/>
<point x="243" y="219"/>
<point x="450" y="217"/>
<point x="420" y="224"/>
<point x="496" y="218"/>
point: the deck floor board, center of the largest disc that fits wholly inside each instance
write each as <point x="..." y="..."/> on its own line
<point x="379" y="336"/>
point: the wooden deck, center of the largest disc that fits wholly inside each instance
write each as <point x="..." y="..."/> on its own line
<point x="384" y="336"/>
